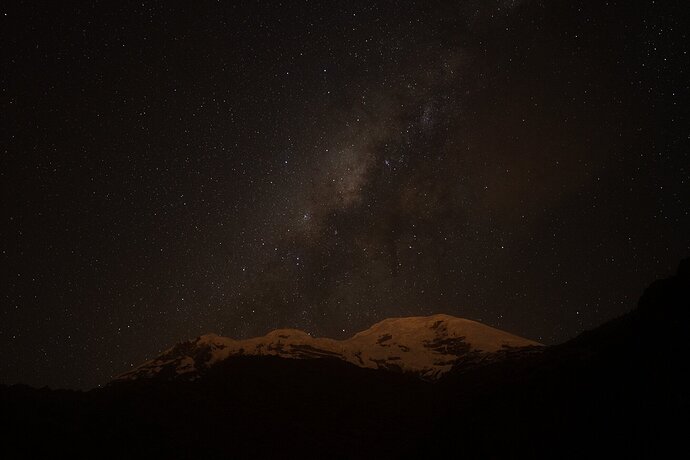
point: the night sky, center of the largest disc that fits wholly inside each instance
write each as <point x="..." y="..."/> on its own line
<point x="173" y="168"/>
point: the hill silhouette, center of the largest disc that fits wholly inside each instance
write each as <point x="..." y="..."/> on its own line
<point x="619" y="390"/>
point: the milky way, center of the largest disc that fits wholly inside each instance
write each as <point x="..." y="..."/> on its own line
<point x="177" y="169"/>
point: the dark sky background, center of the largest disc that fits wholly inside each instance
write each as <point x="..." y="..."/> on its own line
<point x="175" y="168"/>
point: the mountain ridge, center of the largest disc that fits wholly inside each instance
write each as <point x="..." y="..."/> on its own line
<point x="615" y="391"/>
<point x="427" y="346"/>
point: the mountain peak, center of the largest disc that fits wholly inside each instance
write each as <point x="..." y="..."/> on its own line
<point x="209" y="337"/>
<point x="427" y="346"/>
<point x="287" y="333"/>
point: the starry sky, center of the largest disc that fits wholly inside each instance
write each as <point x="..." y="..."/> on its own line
<point x="175" y="168"/>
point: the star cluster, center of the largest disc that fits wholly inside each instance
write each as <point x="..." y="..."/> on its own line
<point x="175" y="168"/>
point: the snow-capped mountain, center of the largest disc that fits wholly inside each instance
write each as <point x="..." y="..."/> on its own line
<point x="427" y="346"/>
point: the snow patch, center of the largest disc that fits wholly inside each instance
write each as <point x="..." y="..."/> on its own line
<point x="428" y="346"/>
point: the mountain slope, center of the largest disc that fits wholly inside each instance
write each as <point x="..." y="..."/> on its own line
<point x="615" y="391"/>
<point x="618" y="391"/>
<point x="428" y="346"/>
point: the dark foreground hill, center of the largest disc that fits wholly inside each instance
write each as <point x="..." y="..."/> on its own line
<point x="619" y="391"/>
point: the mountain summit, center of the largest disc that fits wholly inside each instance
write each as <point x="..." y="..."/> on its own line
<point x="427" y="346"/>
